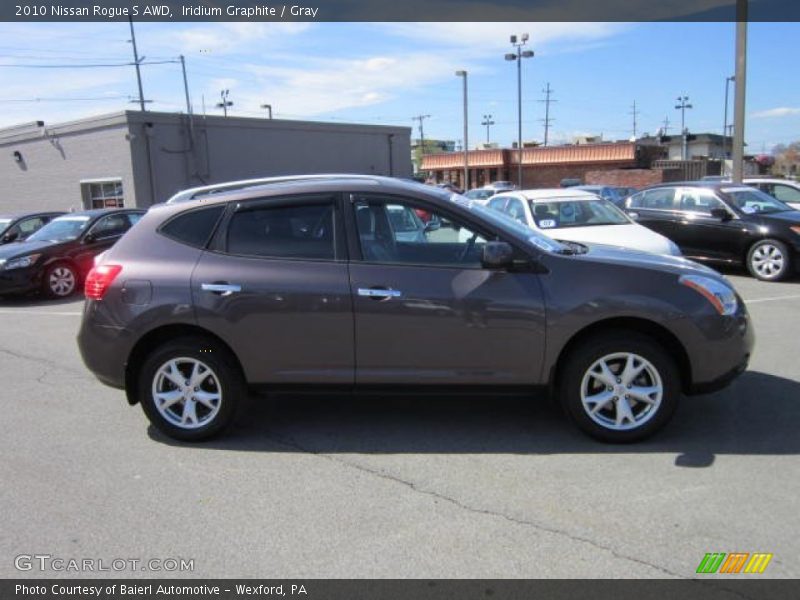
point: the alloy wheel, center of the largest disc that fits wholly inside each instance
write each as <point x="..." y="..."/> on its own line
<point x="767" y="260"/>
<point x="621" y="391"/>
<point x="187" y="393"/>
<point x="61" y="281"/>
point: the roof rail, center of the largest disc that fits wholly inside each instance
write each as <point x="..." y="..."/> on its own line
<point x="230" y="186"/>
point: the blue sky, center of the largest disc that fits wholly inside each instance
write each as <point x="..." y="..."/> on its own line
<point x="386" y="73"/>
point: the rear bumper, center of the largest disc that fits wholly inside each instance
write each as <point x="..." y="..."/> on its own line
<point x="103" y="347"/>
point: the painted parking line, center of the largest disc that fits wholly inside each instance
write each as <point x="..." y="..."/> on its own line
<point x="5" y="311"/>
<point x="771" y="299"/>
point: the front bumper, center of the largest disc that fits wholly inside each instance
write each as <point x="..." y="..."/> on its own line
<point x="19" y="281"/>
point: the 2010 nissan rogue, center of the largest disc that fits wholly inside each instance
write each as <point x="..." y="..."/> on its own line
<point x="337" y="281"/>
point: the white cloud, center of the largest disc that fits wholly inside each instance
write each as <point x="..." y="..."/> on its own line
<point x="776" y="113"/>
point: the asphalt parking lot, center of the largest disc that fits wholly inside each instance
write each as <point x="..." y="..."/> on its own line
<point x="386" y="487"/>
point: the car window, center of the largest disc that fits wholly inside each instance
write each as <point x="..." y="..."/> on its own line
<point x="63" y="228"/>
<point x="390" y="232"/>
<point x="751" y="200"/>
<point x="785" y="193"/>
<point x="133" y="218"/>
<point x="657" y="199"/>
<point x="302" y="231"/>
<point x="497" y="203"/>
<point x="28" y="226"/>
<point x="577" y="213"/>
<point x="698" y="201"/>
<point x="110" y="226"/>
<point x="516" y="210"/>
<point x="193" y="227"/>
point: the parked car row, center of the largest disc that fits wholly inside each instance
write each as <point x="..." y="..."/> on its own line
<point x="55" y="258"/>
<point x="339" y="281"/>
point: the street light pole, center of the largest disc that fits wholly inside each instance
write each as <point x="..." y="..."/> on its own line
<point x="725" y="126"/>
<point x="465" y="185"/>
<point x="684" y="104"/>
<point x="518" y="56"/>
<point x="487" y="121"/>
<point x="269" y="109"/>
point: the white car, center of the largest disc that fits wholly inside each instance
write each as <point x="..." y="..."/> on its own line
<point x="577" y="216"/>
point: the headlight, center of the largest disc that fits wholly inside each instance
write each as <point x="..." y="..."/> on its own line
<point x="21" y="262"/>
<point x="722" y="297"/>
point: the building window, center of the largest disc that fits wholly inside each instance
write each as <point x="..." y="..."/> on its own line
<point x="103" y="194"/>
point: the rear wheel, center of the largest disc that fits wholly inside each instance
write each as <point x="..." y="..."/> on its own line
<point x="191" y="388"/>
<point x="60" y="280"/>
<point x="620" y="387"/>
<point x="769" y="260"/>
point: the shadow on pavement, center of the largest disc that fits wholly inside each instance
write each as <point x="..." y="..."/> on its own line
<point x="758" y="414"/>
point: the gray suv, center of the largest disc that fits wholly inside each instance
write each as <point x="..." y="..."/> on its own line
<point x="370" y="282"/>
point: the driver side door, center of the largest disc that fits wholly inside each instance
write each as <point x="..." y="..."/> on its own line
<point x="427" y="311"/>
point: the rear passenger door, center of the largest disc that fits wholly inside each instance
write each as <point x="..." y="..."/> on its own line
<point x="656" y="209"/>
<point x="274" y="286"/>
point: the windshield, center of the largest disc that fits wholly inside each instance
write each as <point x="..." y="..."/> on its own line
<point x="576" y="213"/>
<point x="752" y="201"/>
<point x="3" y="224"/>
<point x="510" y="225"/>
<point x="480" y="194"/>
<point x="61" y="229"/>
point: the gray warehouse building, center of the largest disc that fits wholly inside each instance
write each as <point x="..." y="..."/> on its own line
<point x="135" y="158"/>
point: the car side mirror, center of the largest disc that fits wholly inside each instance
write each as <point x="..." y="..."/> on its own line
<point x="90" y="238"/>
<point x="497" y="255"/>
<point x="721" y="214"/>
<point x="10" y="237"/>
<point x="432" y="225"/>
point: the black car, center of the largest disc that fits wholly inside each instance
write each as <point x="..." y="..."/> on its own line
<point x="724" y="223"/>
<point x="17" y="227"/>
<point x="56" y="258"/>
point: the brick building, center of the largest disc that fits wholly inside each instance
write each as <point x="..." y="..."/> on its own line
<point x="543" y="166"/>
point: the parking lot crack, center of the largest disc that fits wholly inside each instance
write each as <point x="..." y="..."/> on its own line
<point x="42" y="361"/>
<point x="478" y="510"/>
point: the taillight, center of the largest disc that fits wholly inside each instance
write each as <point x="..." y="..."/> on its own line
<point x="99" y="280"/>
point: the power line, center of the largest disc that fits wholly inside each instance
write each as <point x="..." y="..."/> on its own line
<point x="547" y="120"/>
<point x="635" y="114"/>
<point x="89" y="66"/>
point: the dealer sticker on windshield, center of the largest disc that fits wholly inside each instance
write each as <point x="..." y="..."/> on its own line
<point x="547" y="223"/>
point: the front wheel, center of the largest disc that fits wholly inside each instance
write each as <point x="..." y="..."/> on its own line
<point x="769" y="260"/>
<point x="620" y="387"/>
<point x="191" y="389"/>
<point x="60" y="280"/>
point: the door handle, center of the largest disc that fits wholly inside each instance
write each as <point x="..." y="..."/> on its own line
<point x="223" y="289"/>
<point x="379" y="293"/>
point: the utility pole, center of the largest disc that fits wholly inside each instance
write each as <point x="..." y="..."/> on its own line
<point x="547" y="120"/>
<point x="225" y="103"/>
<point x="186" y="86"/>
<point x="684" y="104"/>
<point x="739" y="90"/>
<point x="136" y="62"/>
<point x="269" y="109"/>
<point x="635" y="114"/>
<point x="725" y="129"/>
<point x="487" y="122"/>
<point x="421" y="118"/>
<point x="665" y="124"/>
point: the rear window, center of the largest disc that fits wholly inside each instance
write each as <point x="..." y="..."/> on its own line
<point x="194" y="227"/>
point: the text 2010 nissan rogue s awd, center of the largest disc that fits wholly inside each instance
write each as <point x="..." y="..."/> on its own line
<point x="336" y="281"/>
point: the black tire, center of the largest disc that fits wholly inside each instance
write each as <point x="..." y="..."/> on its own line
<point x="772" y="253"/>
<point x="56" y="277"/>
<point x="575" y="375"/>
<point x="225" y="378"/>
